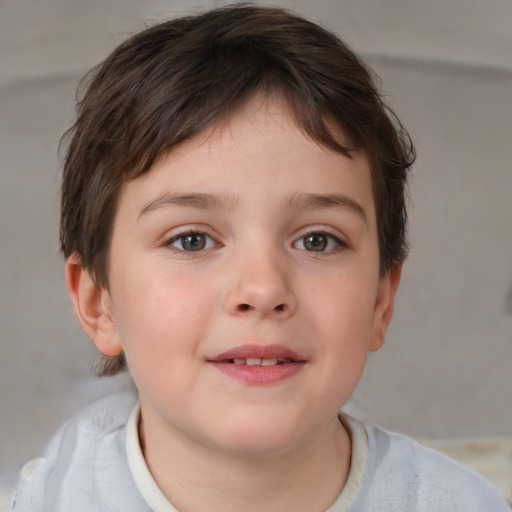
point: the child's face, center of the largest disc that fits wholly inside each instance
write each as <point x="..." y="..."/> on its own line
<point x="249" y="242"/>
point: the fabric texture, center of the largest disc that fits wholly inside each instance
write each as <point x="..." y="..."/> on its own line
<point x="94" y="464"/>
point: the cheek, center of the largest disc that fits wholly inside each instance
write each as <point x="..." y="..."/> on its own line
<point x="343" y="310"/>
<point x="344" y="335"/>
<point x="154" y="317"/>
<point x="341" y="316"/>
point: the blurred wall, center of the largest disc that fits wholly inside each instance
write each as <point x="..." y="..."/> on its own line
<point x="446" y="369"/>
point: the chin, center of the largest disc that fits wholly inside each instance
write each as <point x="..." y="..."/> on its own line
<point x="257" y="437"/>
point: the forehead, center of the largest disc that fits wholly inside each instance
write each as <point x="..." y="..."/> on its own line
<point x="258" y="121"/>
<point x="257" y="152"/>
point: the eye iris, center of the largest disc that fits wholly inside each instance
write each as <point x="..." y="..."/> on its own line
<point x="193" y="242"/>
<point x="315" y="242"/>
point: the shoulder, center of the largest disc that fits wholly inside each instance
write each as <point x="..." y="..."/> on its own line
<point x="85" y="461"/>
<point x="106" y="415"/>
<point x="423" y="479"/>
<point x="96" y="428"/>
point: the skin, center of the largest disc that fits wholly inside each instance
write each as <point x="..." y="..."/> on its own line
<point x="213" y="441"/>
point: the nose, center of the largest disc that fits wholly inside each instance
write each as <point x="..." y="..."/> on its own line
<point x="261" y="287"/>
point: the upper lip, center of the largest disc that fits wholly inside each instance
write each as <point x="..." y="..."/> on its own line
<point x="260" y="351"/>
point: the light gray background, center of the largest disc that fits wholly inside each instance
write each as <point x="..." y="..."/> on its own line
<point x="446" y="65"/>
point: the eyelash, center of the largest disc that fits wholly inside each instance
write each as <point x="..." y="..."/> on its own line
<point x="210" y="242"/>
<point x="340" y="244"/>
<point x="182" y="235"/>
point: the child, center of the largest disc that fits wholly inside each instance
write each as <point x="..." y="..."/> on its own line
<point x="233" y="222"/>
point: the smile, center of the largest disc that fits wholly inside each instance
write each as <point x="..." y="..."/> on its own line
<point x="259" y="364"/>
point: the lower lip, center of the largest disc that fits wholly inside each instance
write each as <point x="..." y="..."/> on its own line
<point x="259" y="375"/>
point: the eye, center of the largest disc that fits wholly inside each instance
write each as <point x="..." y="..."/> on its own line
<point x="318" y="242"/>
<point x="191" y="242"/>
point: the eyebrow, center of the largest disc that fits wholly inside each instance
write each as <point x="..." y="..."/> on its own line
<point x="192" y="200"/>
<point x="303" y="201"/>
<point x="308" y="201"/>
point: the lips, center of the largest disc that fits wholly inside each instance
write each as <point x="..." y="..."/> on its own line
<point x="279" y="352"/>
<point x="259" y="364"/>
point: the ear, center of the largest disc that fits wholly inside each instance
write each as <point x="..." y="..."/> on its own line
<point x="93" y="307"/>
<point x="384" y="304"/>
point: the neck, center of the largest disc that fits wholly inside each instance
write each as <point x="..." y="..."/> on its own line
<point x="198" y="477"/>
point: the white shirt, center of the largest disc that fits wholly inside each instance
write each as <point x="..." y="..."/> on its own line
<point x="156" y="500"/>
<point x="95" y="464"/>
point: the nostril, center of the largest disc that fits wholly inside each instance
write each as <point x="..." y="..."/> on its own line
<point x="247" y="307"/>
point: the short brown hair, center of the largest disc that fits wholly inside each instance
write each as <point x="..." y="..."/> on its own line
<point x="179" y="77"/>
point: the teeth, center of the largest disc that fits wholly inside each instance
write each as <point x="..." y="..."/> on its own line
<point x="259" y="361"/>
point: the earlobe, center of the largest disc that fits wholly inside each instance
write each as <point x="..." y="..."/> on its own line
<point x="384" y="305"/>
<point x="93" y="307"/>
